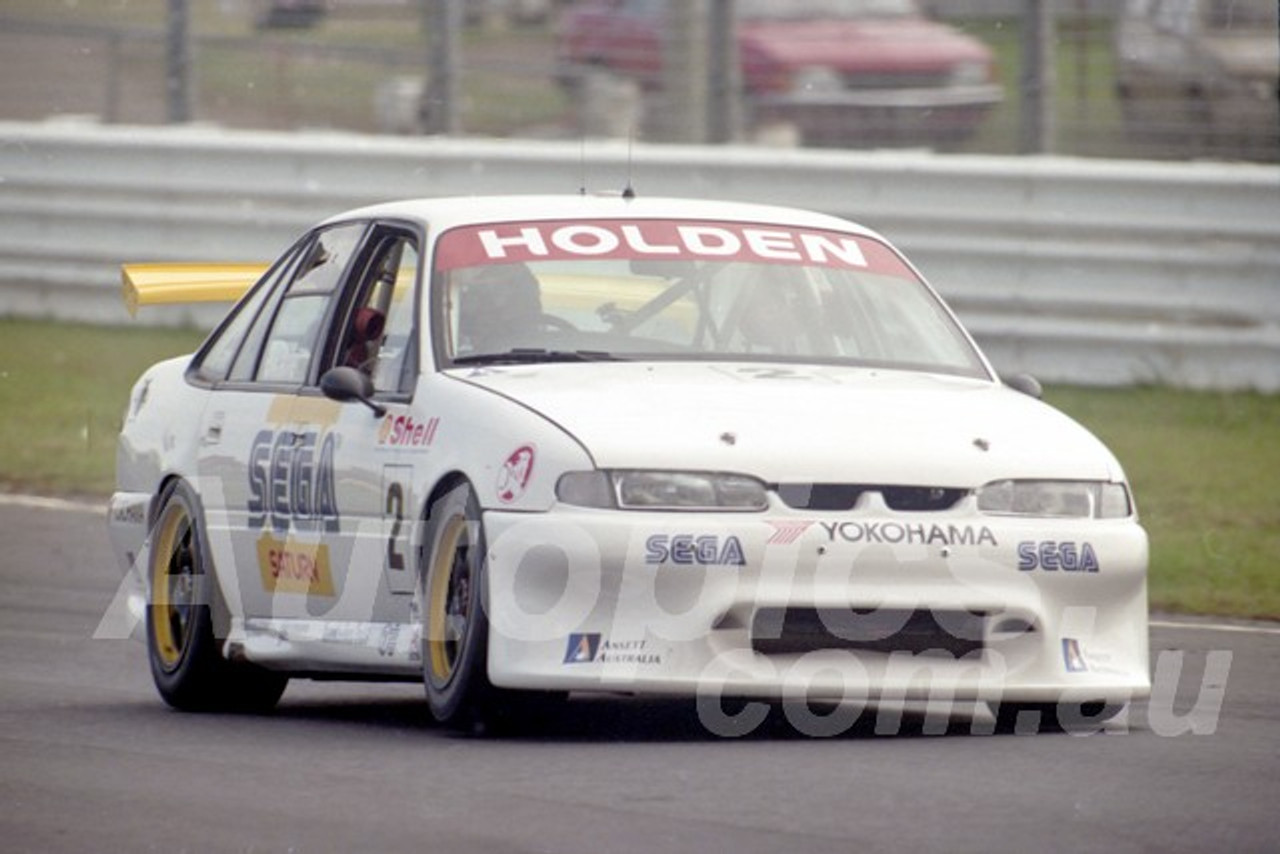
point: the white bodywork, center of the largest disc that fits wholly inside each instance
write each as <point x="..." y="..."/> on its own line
<point x="655" y="601"/>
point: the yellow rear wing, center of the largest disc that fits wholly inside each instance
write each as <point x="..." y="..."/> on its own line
<point x="167" y="284"/>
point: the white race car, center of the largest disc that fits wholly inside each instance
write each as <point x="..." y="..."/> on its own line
<point x="525" y="446"/>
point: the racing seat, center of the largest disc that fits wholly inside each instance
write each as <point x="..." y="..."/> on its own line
<point x="366" y="334"/>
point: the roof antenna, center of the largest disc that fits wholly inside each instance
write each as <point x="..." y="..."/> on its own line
<point x="629" y="192"/>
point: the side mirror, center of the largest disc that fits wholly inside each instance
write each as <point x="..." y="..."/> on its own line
<point x="345" y="384"/>
<point x="1026" y="384"/>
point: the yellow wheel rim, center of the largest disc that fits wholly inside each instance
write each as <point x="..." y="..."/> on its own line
<point x="447" y="613"/>
<point x="173" y="568"/>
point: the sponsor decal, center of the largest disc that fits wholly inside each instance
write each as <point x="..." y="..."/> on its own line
<point x="694" y="549"/>
<point x="402" y="431"/>
<point x="130" y="514"/>
<point x="663" y="239"/>
<point x="582" y="648"/>
<point x="288" y="566"/>
<point x="513" y="478"/>
<point x="594" y="648"/>
<point x="388" y="640"/>
<point x="291" y="481"/>
<point x="786" y="533"/>
<point x="1072" y="657"/>
<point x="346" y="633"/>
<point x="902" y="533"/>
<point x="1053" y="556"/>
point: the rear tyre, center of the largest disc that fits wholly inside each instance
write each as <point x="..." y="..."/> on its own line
<point x="186" y="662"/>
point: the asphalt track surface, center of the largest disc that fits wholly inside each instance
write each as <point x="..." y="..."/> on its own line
<point x="91" y="760"/>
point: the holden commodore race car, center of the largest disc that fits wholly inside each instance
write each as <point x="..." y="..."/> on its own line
<point x="520" y="447"/>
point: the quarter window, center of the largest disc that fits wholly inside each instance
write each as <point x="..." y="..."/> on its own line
<point x="295" y="332"/>
<point x="246" y="360"/>
<point x="221" y="352"/>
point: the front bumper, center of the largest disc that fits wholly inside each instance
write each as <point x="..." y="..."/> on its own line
<point x="841" y="607"/>
<point x="128" y="529"/>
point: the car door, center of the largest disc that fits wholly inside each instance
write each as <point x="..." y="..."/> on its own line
<point x="377" y="445"/>
<point x="266" y="457"/>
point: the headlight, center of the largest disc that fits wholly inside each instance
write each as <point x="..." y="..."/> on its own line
<point x="662" y="490"/>
<point x="816" y="80"/>
<point x="1067" y="499"/>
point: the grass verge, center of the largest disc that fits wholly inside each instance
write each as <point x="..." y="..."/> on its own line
<point x="63" y="390"/>
<point x="1198" y="461"/>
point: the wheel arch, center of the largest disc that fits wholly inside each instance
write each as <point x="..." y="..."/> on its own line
<point x="162" y="488"/>
<point x="451" y="479"/>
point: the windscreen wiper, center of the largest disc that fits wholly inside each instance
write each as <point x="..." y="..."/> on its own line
<point x="535" y="355"/>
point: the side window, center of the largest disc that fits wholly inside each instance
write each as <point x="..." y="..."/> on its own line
<point x="378" y="336"/>
<point x="246" y="360"/>
<point x="215" y="364"/>
<point x="295" y="331"/>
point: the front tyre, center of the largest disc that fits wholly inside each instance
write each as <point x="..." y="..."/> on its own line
<point x="186" y="664"/>
<point x="452" y="597"/>
<point x="455" y="635"/>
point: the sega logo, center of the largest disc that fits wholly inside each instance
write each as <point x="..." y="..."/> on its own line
<point x="694" y="549"/>
<point x="1053" y="556"/>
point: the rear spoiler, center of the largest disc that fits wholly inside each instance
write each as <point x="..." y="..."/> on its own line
<point x="165" y="284"/>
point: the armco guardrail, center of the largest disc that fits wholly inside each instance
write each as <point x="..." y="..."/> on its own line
<point x="1096" y="272"/>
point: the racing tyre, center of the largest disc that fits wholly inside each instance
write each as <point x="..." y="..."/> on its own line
<point x="186" y="663"/>
<point x="455" y="627"/>
<point x="1026" y="718"/>
<point x="455" y="638"/>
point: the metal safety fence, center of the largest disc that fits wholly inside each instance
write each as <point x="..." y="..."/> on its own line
<point x="1077" y="270"/>
<point x="1167" y="79"/>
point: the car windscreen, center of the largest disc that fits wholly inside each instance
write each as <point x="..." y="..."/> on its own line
<point x="568" y="291"/>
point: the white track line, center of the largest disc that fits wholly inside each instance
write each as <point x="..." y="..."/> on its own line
<point x="41" y="503"/>
<point x="1215" y="627"/>
<point x="37" y="502"/>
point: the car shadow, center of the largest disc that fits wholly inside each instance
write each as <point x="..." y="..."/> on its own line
<point x="586" y="719"/>
<point x="591" y="718"/>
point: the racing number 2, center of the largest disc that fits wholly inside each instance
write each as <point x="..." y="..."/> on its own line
<point x="394" y="479"/>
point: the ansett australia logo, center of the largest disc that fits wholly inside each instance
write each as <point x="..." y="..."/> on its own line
<point x="586" y="648"/>
<point x="1073" y="657"/>
<point x="694" y="550"/>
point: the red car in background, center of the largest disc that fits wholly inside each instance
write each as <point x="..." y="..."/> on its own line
<point x="839" y="71"/>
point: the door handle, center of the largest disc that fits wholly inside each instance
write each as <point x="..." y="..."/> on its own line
<point x="213" y="432"/>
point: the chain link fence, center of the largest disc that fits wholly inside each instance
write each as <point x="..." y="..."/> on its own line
<point x="1102" y="78"/>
